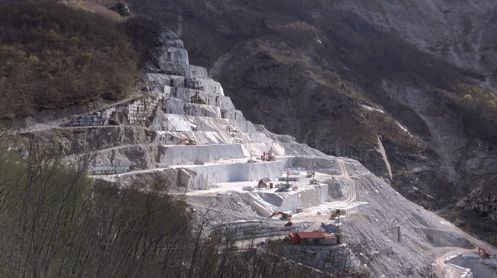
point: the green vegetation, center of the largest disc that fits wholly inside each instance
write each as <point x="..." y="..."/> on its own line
<point x="54" y="56"/>
<point x="478" y="106"/>
<point x="58" y="223"/>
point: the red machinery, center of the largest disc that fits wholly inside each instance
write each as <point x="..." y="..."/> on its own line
<point x="268" y="156"/>
<point x="186" y="141"/>
<point x="313" y="238"/>
<point x="483" y="253"/>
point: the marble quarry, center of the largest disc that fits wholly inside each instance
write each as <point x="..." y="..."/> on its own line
<point x="184" y="127"/>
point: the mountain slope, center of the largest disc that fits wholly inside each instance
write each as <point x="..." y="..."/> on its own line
<point x="183" y="134"/>
<point x="461" y="32"/>
<point x="353" y="78"/>
<point x="55" y="57"/>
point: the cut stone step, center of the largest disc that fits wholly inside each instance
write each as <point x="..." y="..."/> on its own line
<point x="211" y="137"/>
<point x="94" y="138"/>
<point x="157" y="82"/>
<point x="126" y="158"/>
<point x="236" y="172"/>
<point x="200" y="137"/>
<point x="177" y="106"/>
<point x="175" y="122"/>
<point x="191" y="154"/>
<point x="200" y="97"/>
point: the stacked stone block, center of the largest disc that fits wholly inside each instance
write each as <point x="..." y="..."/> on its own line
<point x="182" y="103"/>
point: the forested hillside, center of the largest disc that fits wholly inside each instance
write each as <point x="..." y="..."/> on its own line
<point x="54" y="56"/>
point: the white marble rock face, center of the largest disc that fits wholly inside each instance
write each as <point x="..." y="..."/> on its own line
<point x="182" y="102"/>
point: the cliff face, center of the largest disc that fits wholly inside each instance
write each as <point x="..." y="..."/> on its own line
<point x="406" y="88"/>
<point x="482" y="203"/>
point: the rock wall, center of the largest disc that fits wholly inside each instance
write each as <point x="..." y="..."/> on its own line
<point x="481" y="202"/>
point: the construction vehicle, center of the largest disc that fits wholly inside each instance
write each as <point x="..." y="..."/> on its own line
<point x="282" y="187"/>
<point x="336" y="213"/>
<point x="186" y="141"/>
<point x="290" y="176"/>
<point x="268" y="156"/>
<point x="313" y="182"/>
<point x="483" y="253"/>
<point x="263" y="183"/>
<point x="310" y="174"/>
<point x="283" y="215"/>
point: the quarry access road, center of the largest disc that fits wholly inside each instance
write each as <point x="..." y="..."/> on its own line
<point x="321" y="213"/>
<point x="448" y="270"/>
<point x="352" y="196"/>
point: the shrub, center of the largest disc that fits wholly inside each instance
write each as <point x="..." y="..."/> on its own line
<point x="468" y="98"/>
<point x="54" y="56"/>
